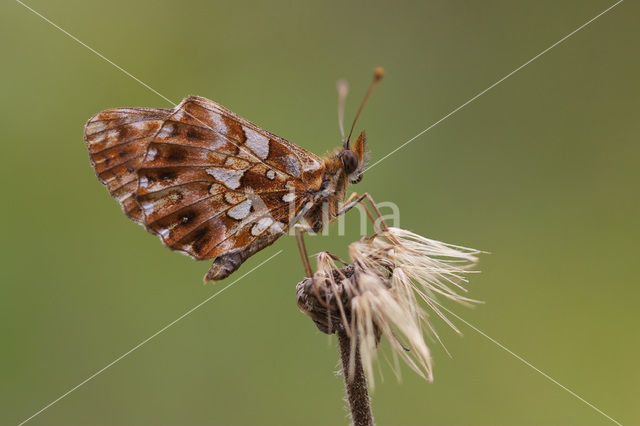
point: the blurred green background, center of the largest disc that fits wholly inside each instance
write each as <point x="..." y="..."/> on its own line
<point x="542" y="171"/>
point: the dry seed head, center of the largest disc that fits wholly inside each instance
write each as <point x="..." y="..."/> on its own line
<point x="378" y="295"/>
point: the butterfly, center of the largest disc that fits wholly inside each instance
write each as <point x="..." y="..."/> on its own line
<point x="212" y="184"/>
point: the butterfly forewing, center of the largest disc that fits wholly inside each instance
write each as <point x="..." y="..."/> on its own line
<point x="207" y="181"/>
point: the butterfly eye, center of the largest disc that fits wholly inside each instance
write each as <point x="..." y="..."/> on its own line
<point x="349" y="161"/>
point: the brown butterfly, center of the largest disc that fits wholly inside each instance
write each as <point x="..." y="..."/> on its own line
<point x="213" y="185"/>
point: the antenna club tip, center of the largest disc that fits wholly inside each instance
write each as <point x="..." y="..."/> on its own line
<point x="378" y="73"/>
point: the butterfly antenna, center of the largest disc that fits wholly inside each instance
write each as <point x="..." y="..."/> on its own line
<point x="377" y="76"/>
<point x="343" y="90"/>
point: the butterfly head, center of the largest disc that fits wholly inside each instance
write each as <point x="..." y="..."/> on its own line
<point x="354" y="159"/>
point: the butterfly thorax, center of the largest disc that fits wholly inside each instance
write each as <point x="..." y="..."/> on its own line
<point x="344" y="166"/>
<point x="326" y="201"/>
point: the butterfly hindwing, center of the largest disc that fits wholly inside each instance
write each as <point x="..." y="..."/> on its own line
<point x="117" y="140"/>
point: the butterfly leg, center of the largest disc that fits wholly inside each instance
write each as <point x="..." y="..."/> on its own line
<point x="302" y="248"/>
<point x="336" y="258"/>
<point x="355" y="199"/>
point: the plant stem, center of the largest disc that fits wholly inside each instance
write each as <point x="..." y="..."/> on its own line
<point x="356" y="386"/>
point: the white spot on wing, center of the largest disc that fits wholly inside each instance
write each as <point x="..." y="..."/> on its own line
<point x="218" y="123"/>
<point x="227" y="245"/>
<point x="113" y="135"/>
<point x="164" y="233"/>
<point x="289" y="197"/>
<point x="276" y="228"/>
<point x="293" y="166"/>
<point x="95" y="127"/>
<point x="147" y="206"/>
<point x="271" y="174"/>
<point x="166" y="130"/>
<point x="311" y="165"/>
<point x="97" y="138"/>
<point x="230" y="178"/>
<point x="258" y="143"/>
<point x="178" y="114"/>
<point x="240" y="211"/>
<point x="139" y="125"/>
<point x="143" y="182"/>
<point x="261" y="225"/>
<point x="151" y="154"/>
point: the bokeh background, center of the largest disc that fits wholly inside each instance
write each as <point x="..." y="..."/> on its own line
<point x="542" y="171"/>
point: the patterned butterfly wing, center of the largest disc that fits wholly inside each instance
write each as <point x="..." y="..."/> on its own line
<point x="213" y="185"/>
<point x="117" y="140"/>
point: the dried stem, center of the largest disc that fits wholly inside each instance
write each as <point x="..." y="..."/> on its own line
<point x="376" y="296"/>
<point x="329" y="308"/>
<point x="356" y="385"/>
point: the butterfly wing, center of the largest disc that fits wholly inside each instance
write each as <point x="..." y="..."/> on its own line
<point x="208" y="182"/>
<point x="117" y="140"/>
